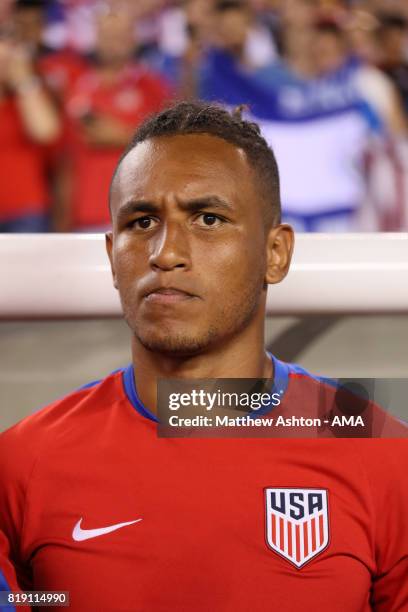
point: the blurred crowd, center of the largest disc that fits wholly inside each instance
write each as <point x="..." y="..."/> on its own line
<point x="327" y="81"/>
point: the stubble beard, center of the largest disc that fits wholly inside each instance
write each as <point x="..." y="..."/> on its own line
<point x="229" y="322"/>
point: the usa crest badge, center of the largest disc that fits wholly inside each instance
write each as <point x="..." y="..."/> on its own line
<point x="297" y="523"/>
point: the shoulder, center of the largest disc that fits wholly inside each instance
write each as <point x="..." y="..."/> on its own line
<point x="353" y="407"/>
<point x="21" y="444"/>
<point x="378" y="450"/>
<point x="37" y="450"/>
<point x="372" y="77"/>
<point x="145" y="76"/>
<point x="375" y="87"/>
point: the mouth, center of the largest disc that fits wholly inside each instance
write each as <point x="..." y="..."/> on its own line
<point x="168" y="295"/>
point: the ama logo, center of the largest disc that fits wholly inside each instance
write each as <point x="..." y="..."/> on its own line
<point x="297" y="523"/>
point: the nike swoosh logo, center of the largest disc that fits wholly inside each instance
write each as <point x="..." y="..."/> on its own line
<point x="79" y="534"/>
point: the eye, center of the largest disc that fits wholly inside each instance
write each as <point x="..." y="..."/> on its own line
<point x="209" y="219"/>
<point x="143" y="223"/>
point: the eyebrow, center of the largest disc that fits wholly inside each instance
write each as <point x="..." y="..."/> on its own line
<point x="144" y="206"/>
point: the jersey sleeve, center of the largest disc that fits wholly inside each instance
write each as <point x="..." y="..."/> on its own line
<point x="17" y="460"/>
<point x="387" y="473"/>
<point x="8" y="578"/>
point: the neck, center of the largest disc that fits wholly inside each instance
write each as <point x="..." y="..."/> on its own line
<point x="239" y="357"/>
<point x="110" y="70"/>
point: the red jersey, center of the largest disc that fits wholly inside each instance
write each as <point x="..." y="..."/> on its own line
<point x="24" y="164"/>
<point x="95" y="503"/>
<point x="135" y="94"/>
<point x="8" y="580"/>
<point x="61" y="69"/>
<point x="23" y="186"/>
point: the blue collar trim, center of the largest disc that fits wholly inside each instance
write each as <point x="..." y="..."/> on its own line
<point x="280" y="385"/>
<point x="133" y="397"/>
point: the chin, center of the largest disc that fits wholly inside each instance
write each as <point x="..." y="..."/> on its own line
<point x="176" y="345"/>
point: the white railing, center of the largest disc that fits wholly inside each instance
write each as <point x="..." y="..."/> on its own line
<point x="68" y="275"/>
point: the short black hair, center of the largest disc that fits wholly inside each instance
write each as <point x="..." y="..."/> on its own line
<point x="22" y="5"/>
<point x="196" y="117"/>
<point x="222" y="6"/>
<point x="392" y="21"/>
<point x="328" y="26"/>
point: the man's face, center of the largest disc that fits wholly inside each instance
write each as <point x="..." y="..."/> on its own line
<point x="329" y="52"/>
<point x="299" y="13"/>
<point x="232" y="27"/>
<point x="188" y="250"/>
<point x="393" y="42"/>
<point x="115" y="37"/>
<point x="29" y="23"/>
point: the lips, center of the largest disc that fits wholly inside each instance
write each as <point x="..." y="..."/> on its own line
<point x="168" y="295"/>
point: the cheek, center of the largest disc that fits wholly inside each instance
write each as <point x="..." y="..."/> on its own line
<point x="129" y="267"/>
<point x="230" y="265"/>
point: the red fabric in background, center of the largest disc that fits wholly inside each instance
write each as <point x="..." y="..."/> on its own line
<point x="7" y="571"/>
<point x="60" y="70"/>
<point x="23" y="187"/>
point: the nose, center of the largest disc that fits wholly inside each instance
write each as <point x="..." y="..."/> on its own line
<point x="170" y="248"/>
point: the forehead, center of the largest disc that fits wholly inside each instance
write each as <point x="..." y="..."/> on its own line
<point x="186" y="165"/>
<point x="114" y="23"/>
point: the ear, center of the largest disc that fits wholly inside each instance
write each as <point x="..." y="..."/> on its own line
<point x="109" y="250"/>
<point x="279" y="249"/>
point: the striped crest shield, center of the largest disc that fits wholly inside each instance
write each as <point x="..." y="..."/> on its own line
<point x="297" y="523"/>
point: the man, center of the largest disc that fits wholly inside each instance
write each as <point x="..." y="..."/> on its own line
<point x="8" y="581"/>
<point x="95" y="503"/>
<point x="29" y="124"/>
<point x="109" y="98"/>
<point x="392" y="34"/>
